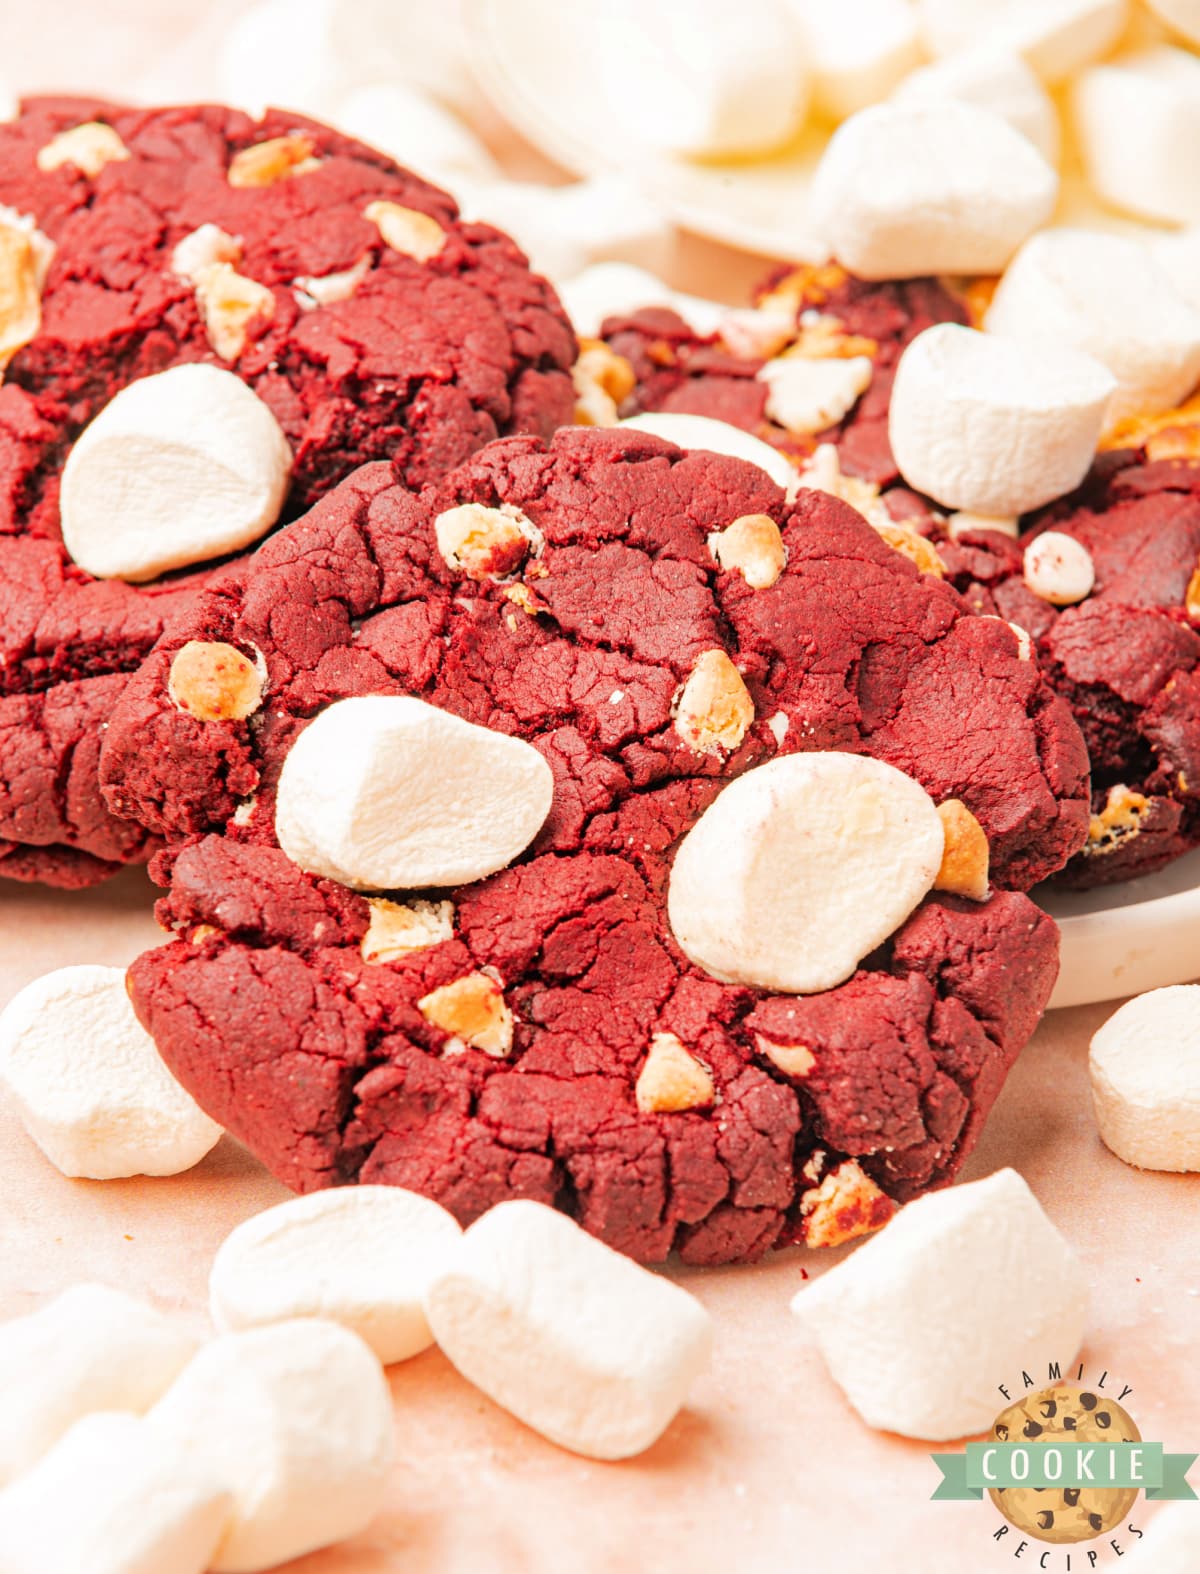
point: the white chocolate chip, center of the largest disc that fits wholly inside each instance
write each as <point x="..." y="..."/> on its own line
<point x="602" y="380"/>
<point x="112" y="1111"/>
<point x="111" y="1499"/>
<point x="386" y="793"/>
<point x="406" y="230"/>
<point x="177" y="468"/>
<point x="914" y="546"/>
<point x="279" y="158"/>
<point x="809" y="395"/>
<point x="295" y="1419"/>
<point x="486" y="543"/>
<point x="910" y="189"/>
<point x="90" y="1348"/>
<point x="1054" y="37"/>
<point x="800" y="868"/>
<point x="960" y="1285"/>
<point x="1059" y="569"/>
<point x="842" y="1206"/>
<point x="717" y="437"/>
<point x="857" y="50"/>
<point x="754" y="332"/>
<point x="1145" y="1071"/>
<point x="474" y="1013"/>
<point x="21" y="274"/>
<point x="963" y="522"/>
<point x="752" y="546"/>
<point x="713" y="710"/>
<point x="202" y="248"/>
<point x="396" y="929"/>
<point x="327" y="289"/>
<point x="778" y="725"/>
<point x="1106" y="296"/>
<point x="229" y="302"/>
<point x="361" y="1256"/>
<point x="992" y="425"/>
<point x="995" y="79"/>
<point x="88" y="147"/>
<point x="213" y="681"/>
<point x="964" y="870"/>
<point x="672" y="1079"/>
<point x="577" y="1341"/>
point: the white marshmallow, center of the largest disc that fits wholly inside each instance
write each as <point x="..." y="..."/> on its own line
<point x="565" y="229"/>
<point x="1059" y="569"/>
<point x="909" y="189"/>
<point x="808" y="395"/>
<point x="90" y="1348"/>
<point x="89" y="1085"/>
<point x="800" y="868"/>
<point x="718" y="437"/>
<point x="961" y="1288"/>
<point x="1182" y="15"/>
<point x="390" y="794"/>
<point x="1145" y="1070"/>
<point x="993" y="425"/>
<point x="1137" y="119"/>
<point x="1055" y="37"/>
<point x="618" y="289"/>
<point x="362" y="1256"/>
<point x="1105" y="296"/>
<point x="417" y="131"/>
<point x="857" y="50"/>
<point x="296" y="1421"/>
<point x="705" y="80"/>
<point x="574" y="1339"/>
<point x="994" y="79"/>
<point x="109" y="1498"/>
<point x="179" y="467"/>
<point x="1171" y="1543"/>
<point x="1178" y="255"/>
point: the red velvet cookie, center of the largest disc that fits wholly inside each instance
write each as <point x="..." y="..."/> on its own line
<point x="275" y="1003"/>
<point x="358" y="346"/>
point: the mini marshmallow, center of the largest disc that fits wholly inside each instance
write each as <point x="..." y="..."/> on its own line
<point x="1181" y="15"/>
<point x="417" y="131"/>
<point x="810" y="395"/>
<point x="706" y="80"/>
<point x="90" y="1348"/>
<point x="993" y="79"/>
<point x="909" y="189"/>
<point x="1137" y="119"/>
<point x="718" y="437"/>
<point x="800" y="868"/>
<point x="565" y="229"/>
<point x="109" y="1498"/>
<point x="89" y="1085"/>
<point x="960" y="1286"/>
<point x="993" y="425"/>
<point x="1059" y="569"/>
<point x="1103" y="295"/>
<point x="296" y="1421"/>
<point x="857" y="50"/>
<point x="179" y="467"/>
<point x="1171" y="1542"/>
<point x="388" y="793"/>
<point x="362" y="1256"/>
<point x="1145" y="1071"/>
<point x="587" y="1348"/>
<point x="618" y="289"/>
<point x="1055" y="37"/>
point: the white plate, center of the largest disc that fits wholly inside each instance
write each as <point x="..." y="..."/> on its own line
<point x="1125" y="939"/>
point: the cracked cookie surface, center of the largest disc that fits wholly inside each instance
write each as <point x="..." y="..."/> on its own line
<point x="663" y="1108"/>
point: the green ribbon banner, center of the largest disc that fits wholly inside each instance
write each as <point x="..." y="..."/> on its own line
<point x="1054" y="1464"/>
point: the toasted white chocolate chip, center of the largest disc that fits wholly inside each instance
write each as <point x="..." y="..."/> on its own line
<point x="706" y="82"/>
<point x="672" y="1079"/>
<point x="993" y="425"/>
<point x="229" y="302"/>
<point x="800" y="868"/>
<point x="1055" y="37"/>
<point x="20" y="290"/>
<point x="113" y="1111"/>
<point x="995" y="79"/>
<point x="179" y="467"/>
<point x="1145" y="1072"/>
<point x="88" y="147"/>
<point x="213" y="681"/>
<point x="794" y="1060"/>
<point x="961" y="1283"/>
<point x="485" y="543"/>
<point x="474" y="1012"/>
<point x="387" y="793"/>
<point x="90" y="1348"/>
<point x="361" y="1256"/>
<point x="964" y="521"/>
<point x="202" y="248"/>
<point x="713" y="710"/>
<point x="718" y="437"/>
<point x="406" y="230"/>
<point x="1106" y="296"/>
<point x="964" y="869"/>
<point x="1059" y="569"/>
<point x="580" y="1343"/>
<point x="602" y="380"/>
<point x="857" y="50"/>
<point x="327" y="289"/>
<point x="943" y="187"/>
<point x="914" y="546"/>
<point x="295" y="1419"/>
<point x="751" y="546"/>
<point x="809" y="395"/>
<point x="279" y="158"/>
<point x="1137" y="118"/>
<point x="618" y="289"/>
<point x="111" y="1499"/>
<point x="396" y="929"/>
<point x="846" y="1204"/>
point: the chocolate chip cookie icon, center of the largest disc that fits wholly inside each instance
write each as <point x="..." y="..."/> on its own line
<point x="1065" y="1413"/>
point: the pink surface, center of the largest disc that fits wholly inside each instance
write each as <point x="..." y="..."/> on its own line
<point x="767" y="1469"/>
